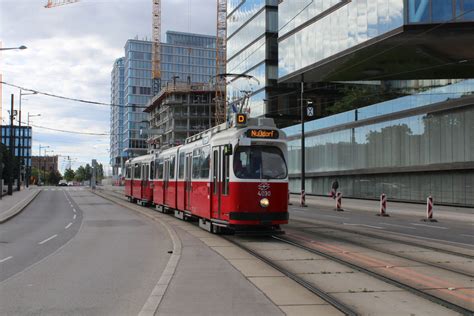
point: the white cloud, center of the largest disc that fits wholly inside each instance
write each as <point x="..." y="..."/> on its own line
<point x="71" y="50"/>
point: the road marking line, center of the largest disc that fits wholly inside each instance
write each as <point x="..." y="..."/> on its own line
<point x="439" y="227"/>
<point x="397" y="226"/>
<point x="74" y="210"/>
<point x="68" y="225"/>
<point x="349" y="224"/>
<point x="5" y="259"/>
<point x="333" y="216"/>
<point x="48" y="239"/>
<point x="467" y="235"/>
<point x="74" y="217"/>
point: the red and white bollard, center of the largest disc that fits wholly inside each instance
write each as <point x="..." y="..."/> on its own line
<point x="429" y="210"/>
<point x="303" y="199"/>
<point x="339" y="202"/>
<point x="383" y="205"/>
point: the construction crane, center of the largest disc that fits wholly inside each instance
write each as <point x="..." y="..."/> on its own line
<point x="57" y="3"/>
<point x="156" y="46"/>
<point x="221" y="47"/>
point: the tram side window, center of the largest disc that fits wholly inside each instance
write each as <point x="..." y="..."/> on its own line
<point x="152" y="170"/>
<point x="128" y="174"/>
<point x="147" y="172"/>
<point x="201" y="162"/>
<point x="159" y="169"/>
<point x="196" y="163"/>
<point x="172" y="167"/>
<point x="205" y="162"/>
<point x="181" y="165"/>
<point x="137" y="172"/>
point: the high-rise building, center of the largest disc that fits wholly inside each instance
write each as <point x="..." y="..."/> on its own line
<point x="117" y="95"/>
<point x="188" y="55"/>
<point x="137" y="92"/>
<point x="391" y="84"/>
<point x="185" y="57"/>
<point x="252" y="33"/>
<point x="22" y="139"/>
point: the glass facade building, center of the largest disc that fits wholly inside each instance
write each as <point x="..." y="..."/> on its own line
<point x="407" y="148"/>
<point x="341" y="25"/>
<point x="252" y="32"/>
<point x="117" y="95"/>
<point x="188" y="55"/>
<point x="184" y="56"/>
<point x="390" y="119"/>
<point x="137" y="93"/>
<point x="23" y="138"/>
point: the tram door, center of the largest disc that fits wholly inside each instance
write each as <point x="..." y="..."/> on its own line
<point x="145" y="172"/>
<point x="220" y="179"/>
<point x="188" y="187"/>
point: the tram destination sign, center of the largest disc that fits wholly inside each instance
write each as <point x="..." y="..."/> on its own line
<point x="262" y="133"/>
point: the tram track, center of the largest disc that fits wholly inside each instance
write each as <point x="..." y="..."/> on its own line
<point x="384" y="278"/>
<point x="312" y="288"/>
<point x="378" y="238"/>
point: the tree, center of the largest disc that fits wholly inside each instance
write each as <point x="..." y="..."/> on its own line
<point x="80" y="174"/>
<point x="100" y="172"/>
<point x="53" y="177"/>
<point x="10" y="167"/>
<point x="69" y="175"/>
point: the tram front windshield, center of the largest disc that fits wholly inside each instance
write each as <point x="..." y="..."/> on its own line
<point x="259" y="162"/>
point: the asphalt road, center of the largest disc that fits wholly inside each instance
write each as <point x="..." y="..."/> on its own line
<point x="446" y="231"/>
<point x="72" y="252"/>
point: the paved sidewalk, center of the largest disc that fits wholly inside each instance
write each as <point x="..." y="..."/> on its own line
<point x="10" y="205"/>
<point x="419" y="210"/>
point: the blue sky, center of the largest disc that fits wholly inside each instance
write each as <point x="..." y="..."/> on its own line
<point x="71" y="50"/>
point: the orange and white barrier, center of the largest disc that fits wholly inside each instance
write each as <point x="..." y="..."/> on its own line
<point x="303" y="198"/>
<point x="383" y="205"/>
<point x="429" y="210"/>
<point x="339" y="201"/>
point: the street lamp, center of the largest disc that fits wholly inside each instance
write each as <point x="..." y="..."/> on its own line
<point x="22" y="139"/>
<point x="28" y="156"/>
<point x="303" y="194"/>
<point x="10" y="48"/>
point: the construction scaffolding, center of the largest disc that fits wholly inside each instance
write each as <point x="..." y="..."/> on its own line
<point x="179" y="111"/>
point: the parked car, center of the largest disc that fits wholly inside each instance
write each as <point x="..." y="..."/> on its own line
<point x="62" y="183"/>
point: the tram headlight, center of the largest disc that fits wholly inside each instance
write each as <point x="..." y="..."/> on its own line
<point x="264" y="202"/>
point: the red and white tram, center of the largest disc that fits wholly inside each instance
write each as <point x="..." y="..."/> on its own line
<point x="233" y="177"/>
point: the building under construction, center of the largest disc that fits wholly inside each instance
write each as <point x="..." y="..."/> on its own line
<point x="178" y="111"/>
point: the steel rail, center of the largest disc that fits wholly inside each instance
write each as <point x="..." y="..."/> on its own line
<point x="388" y="252"/>
<point x="381" y="277"/>
<point x="408" y="243"/>
<point x="325" y="296"/>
